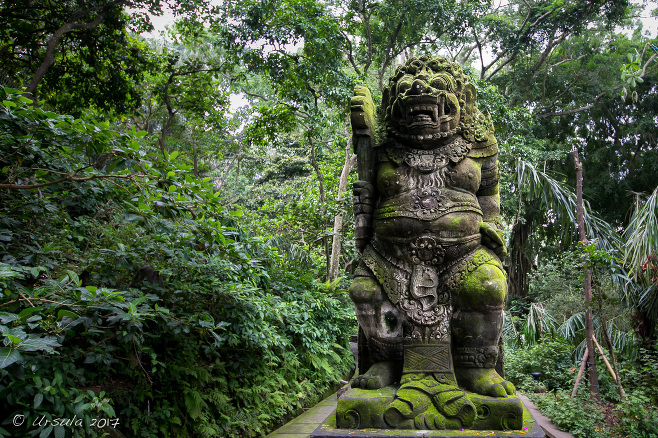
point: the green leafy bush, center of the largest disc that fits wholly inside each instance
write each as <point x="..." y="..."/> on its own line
<point x="551" y="357"/>
<point x="580" y="416"/>
<point x="639" y="416"/>
<point x="224" y="339"/>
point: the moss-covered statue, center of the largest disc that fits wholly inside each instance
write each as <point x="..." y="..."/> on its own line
<point x="430" y="288"/>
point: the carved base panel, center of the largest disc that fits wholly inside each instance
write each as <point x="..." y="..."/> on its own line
<point x="360" y="414"/>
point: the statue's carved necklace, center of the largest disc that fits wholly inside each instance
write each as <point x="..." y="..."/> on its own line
<point x="430" y="160"/>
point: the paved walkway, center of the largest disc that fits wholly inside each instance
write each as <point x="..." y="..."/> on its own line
<point x="549" y="428"/>
<point x="303" y="425"/>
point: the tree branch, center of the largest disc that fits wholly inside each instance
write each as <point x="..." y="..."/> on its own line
<point x="71" y="25"/>
<point x="69" y="178"/>
<point x="571" y="111"/>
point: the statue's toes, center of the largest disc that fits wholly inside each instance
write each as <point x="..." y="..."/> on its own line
<point x="496" y="390"/>
<point x="374" y="383"/>
<point x="431" y="420"/>
<point x="397" y="412"/>
<point x="509" y="387"/>
<point x="365" y="382"/>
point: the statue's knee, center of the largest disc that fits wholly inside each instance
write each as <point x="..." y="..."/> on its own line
<point x="486" y="286"/>
<point x="365" y="290"/>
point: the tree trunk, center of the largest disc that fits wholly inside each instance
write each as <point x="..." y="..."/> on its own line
<point x="195" y="155"/>
<point x="51" y="45"/>
<point x="323" y="209"/>
<point x="520" y="263"/>
<point x="350" y="161"/>
<point x="589" y="325"/>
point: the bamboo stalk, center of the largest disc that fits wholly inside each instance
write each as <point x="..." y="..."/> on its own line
<point x="580" y="373"/>
<point x="605" y="359"/>
<point x="611" y="348"/>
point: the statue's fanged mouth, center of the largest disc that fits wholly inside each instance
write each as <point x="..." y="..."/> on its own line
<point x="423" y="114"/>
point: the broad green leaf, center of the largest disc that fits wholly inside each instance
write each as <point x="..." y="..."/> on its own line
<point x="14" y="339"/>
<point x="8" y="356"/>
<point x="25" y="313"/>
<point x="74" y="277"/>
<point x="45" y="344"/>
<point x="46" y="432"/>
<point x="66" y="313"/>
<point x="6" y="317"/>
<point x="38" y="399"/>
<point x="59" y="431"/>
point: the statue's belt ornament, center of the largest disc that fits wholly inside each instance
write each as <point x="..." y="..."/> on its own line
<point x="420" y="282"/>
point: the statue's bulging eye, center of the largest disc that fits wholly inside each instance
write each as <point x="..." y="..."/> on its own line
<point x="438" y="83"/>
<point x="443" y="82"/>
<point x="404" y="84"/>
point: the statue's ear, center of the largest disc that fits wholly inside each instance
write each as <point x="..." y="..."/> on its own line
<point x="469" y="97"/>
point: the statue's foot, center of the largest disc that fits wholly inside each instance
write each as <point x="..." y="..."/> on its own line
<point x="399" y="416"/>
<point x="408" y="404"/>
<point x="484" y="381"/>
<point x="423" y="402"/>
<point x="379" y="375"/>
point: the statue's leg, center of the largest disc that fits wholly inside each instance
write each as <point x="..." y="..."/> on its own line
<point x="382" y="326"/>
<point x="477" y="323"/>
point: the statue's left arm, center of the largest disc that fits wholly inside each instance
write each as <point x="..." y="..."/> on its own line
<point x="489" y="198"/>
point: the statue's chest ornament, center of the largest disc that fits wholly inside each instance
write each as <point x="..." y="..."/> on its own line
<point x="431" y="160"/>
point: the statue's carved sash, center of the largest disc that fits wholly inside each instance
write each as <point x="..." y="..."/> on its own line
<point x="428" y="203"/>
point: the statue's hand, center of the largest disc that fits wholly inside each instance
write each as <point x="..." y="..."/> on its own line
<point x="364" y="206"/>
<point x="362" y="112"/>
<point x="493" y="239"/>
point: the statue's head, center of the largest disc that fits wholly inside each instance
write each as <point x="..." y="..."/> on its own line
<point x="427" y="101"/>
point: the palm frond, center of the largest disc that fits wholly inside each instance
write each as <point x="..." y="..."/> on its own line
<point x="640" y="255"/>
<point x="573" y="329"/>
<point x="538" y="325"/>
<point x="559" y="198"/>
<point x="510" y="333"/>
<point x="641" y="235"/>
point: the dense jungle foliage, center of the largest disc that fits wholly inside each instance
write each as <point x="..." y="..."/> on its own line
<point x="176" y="234"/>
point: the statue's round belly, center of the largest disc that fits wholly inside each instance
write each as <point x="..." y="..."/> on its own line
<point x="452" y="225"/>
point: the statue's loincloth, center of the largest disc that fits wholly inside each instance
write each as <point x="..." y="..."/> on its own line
<point x="420" y="277"/>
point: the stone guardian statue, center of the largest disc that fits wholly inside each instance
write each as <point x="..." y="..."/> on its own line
<point x="430" y="288"/>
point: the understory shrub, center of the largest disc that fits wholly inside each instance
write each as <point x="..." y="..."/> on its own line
<point x="131" y="295"/>
<point x="551" y="357"/>
<point x="580" y="416"/>
<point x="639" y="416"/>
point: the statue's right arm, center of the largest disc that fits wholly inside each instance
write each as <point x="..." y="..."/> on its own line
<point x="363" y="138"/>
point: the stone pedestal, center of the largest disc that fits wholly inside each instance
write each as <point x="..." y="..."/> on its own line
<point x="360" y="414"/>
